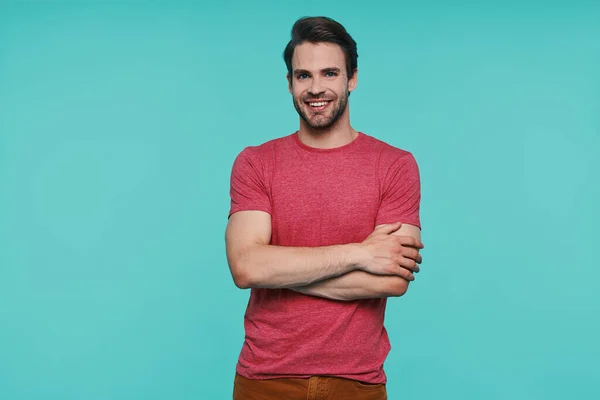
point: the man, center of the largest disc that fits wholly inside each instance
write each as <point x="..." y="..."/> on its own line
<point x="323" y="227"/>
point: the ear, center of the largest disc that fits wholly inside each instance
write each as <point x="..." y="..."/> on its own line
<point x="352" y="82"/>
<point x="289" y="83"/>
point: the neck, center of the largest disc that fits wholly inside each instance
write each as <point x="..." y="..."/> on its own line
<point x="339" y="134"/>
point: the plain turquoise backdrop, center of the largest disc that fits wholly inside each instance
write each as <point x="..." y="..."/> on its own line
<point x="119" y="122"/>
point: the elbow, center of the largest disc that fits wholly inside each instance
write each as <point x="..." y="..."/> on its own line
<point x="240" y="276"/>
<point x="397" y="287"/>
<point x="241" y="282"/>
<point x="244" y="273"/>
<point x="243" y="270"/>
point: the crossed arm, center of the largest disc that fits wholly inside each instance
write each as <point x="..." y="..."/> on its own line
<point x="333" y="272"/>
<point x="356" y="285"/>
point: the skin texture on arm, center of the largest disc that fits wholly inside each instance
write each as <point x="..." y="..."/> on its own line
<point x="356" y="285"/>
<point x="255" y="263"/>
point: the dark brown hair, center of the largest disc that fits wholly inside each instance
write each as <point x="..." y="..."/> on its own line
<point x="318" y="30"/>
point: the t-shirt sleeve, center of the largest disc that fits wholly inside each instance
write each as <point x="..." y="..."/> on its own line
<point x="401" y="193"/>
<point x="248" y="189"/>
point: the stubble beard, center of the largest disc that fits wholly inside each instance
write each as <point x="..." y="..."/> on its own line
<point x="322" y="122"/>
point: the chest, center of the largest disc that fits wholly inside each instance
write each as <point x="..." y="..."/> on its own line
<point x="323" y="204"/>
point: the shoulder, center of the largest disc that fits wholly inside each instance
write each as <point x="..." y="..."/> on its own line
<point x="264" y="152"/>
<point x="387" y="153"/>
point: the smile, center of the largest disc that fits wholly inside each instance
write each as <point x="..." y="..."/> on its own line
<point x="318" y="105"/>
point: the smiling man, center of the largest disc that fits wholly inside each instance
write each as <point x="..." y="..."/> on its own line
<point x="323" y="228"/>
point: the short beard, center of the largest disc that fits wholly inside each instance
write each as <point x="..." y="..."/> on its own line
<point x="329" y="122"/>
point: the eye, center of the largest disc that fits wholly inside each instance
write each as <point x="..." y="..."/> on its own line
<point x="302" y="76"/>
<point x="331" y="74"/>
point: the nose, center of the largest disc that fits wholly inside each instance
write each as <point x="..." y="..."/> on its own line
<point x="316" y="88"/>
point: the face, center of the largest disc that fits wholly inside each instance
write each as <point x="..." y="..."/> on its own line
<point x="319" y="84"/>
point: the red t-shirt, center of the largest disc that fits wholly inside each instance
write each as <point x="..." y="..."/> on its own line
<point x="320" y="197"/>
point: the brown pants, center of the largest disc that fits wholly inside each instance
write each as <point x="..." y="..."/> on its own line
<point x="315" y="388"/>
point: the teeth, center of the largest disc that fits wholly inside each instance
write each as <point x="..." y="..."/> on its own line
<point x="319" y="104"/>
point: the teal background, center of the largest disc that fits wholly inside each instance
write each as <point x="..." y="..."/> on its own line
<point x="119" y="123"/>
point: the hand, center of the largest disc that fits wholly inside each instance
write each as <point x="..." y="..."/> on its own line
<point x="387" y="254"/>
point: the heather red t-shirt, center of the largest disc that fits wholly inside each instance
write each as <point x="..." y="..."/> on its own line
<point x="320" y="197"/>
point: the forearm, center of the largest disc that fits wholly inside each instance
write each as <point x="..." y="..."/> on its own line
<point x="267" y="266"/>
<point x="356" y="285"/>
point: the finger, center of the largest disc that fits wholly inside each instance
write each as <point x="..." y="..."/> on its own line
<point x="409" y="264"/>
<point x="413" y="254"/>
<point x="406" y="274"/>
<point x="410" y="241"/>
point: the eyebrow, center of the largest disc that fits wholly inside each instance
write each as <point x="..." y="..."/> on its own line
<point x="330" y="69"/>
